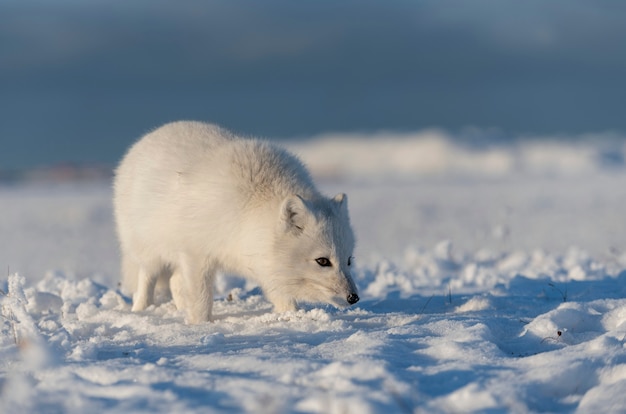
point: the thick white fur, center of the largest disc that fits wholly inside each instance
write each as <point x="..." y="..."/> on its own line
<point x="191" y="199"/>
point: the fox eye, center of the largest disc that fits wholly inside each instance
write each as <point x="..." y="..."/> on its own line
<point x="323" y="261"/>
<point x="350" y="261"/>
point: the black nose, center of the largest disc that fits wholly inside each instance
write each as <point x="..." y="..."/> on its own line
<point x="353" y="298"/>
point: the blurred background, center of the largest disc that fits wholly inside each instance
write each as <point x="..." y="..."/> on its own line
<point x="83" y="79"/>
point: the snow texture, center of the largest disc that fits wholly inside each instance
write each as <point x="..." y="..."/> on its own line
<point x="495" y="288"/>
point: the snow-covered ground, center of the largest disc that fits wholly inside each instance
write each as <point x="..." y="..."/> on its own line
<point x="492" y="278"/>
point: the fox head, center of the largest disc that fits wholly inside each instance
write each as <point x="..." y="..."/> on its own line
<point x="314" y="245"/>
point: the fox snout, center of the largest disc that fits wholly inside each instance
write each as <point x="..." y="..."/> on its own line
<point x="352" y="298"/>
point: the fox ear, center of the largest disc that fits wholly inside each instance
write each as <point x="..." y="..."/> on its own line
<point x="294" y="214"/>
<point x="341" y="201"/>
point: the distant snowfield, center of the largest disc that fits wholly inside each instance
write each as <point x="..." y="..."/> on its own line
<point x="493" y="278"/>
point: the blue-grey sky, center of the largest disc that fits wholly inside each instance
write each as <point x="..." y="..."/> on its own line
<point x="82" y="79"/>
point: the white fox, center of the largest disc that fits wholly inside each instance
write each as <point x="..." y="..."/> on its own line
<point x="192" y="199"/>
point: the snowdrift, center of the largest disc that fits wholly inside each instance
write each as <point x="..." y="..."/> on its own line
<point x="433" y="153"/>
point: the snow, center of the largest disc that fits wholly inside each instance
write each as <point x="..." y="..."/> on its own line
<point x="492" y="278"/>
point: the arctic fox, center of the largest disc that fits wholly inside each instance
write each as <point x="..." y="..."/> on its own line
<point x="192" y="199"/>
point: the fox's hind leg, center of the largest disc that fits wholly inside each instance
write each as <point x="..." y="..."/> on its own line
<point x="144" y="293"/>
<point x="177" y="287"/>
<point x="192" y="289"/>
